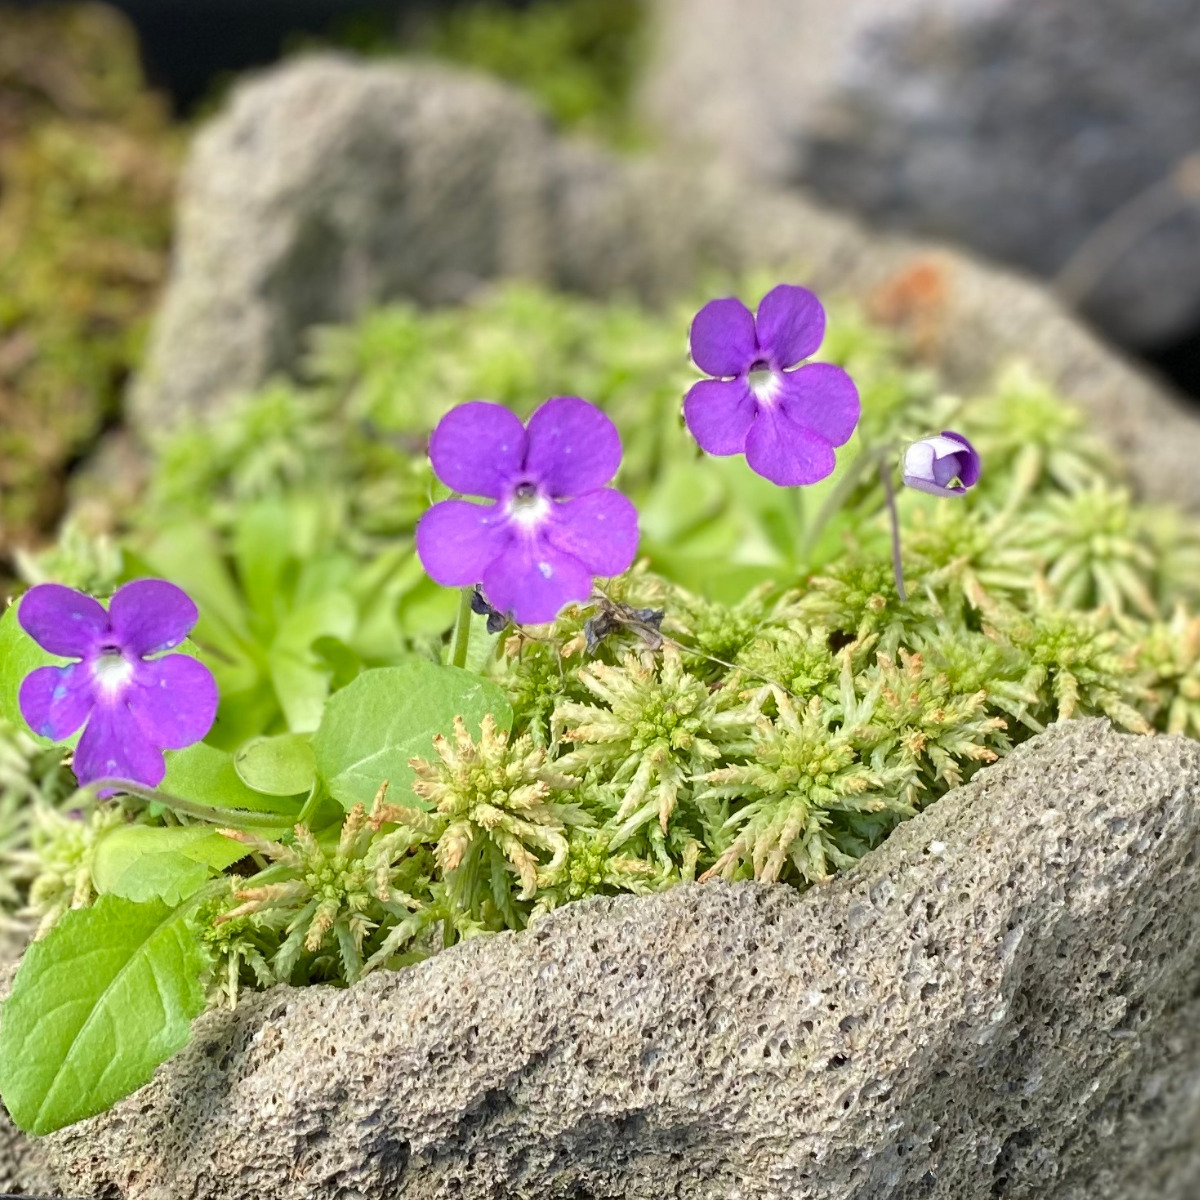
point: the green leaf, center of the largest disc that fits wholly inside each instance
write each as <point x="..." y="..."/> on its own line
<point x="385" y="717"/>
<point x="207" y="775"/>
<point x="19" y="654"/>
<point x="300" y="679"/>
<point x="342" y="663"/>
<point x="108" y="995"/>
<point x="141" y="862"/>
<point x="283" y="765"/>
<point x="262" y="544"/>
<point x="165" y="876"/>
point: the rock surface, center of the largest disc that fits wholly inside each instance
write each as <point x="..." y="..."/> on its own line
<point x="329" y="185"/>
<point x="23" y="1167"/>
<point x="1012" y="126"/>
<point x="1002" y="1001"/>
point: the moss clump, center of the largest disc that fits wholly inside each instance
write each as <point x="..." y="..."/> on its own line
<point x="577" y="58"/>
<point x="87" y="168"/>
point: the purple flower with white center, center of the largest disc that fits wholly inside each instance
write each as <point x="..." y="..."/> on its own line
<point x="933" y="464"/>
<point x="552" y="524"/>
<point x="132" y="706"/>
<point x="786" y="421"/>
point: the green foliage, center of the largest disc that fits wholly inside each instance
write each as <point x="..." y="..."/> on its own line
<point x="753" y="700"/>
<point x="105" y="998"/>
<point x="87" y="168"/>
<point x="374" y="727"/>
<point x="579" y="58"/>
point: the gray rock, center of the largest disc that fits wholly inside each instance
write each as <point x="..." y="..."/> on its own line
<point x="1015" y="127"/>
<point x="23" y="1166"/>
<point x="329" y="185"/>
<point x="1000" y="1002"/>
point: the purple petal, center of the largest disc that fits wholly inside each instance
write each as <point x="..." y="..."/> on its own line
<point x="946" y="469"/>
<point x="457" y="541"/>
<point x="174" y="700"/>
<point x="477" y="448"/>
<point x="970" y="464"/>
<point x="719" y="413"/>
<point x="599" y="529"/>
<point x="790" y="324"/>
<point x="113" y="746"/>
<point x="723" y="341"/>
<point x="55" y="701"/>
<point x="820" y="397"/>
<point x="150" y="615"/>
<point x="786" y="453"/>
<point x="533" y="581"/>
<point x="62" y="620"/>
<point x="573" y="447"/>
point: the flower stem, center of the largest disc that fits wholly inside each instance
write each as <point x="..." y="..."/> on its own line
<point x="462" y="629"/>
<point x="885" y="474"/>
<point x="234" y="818"/>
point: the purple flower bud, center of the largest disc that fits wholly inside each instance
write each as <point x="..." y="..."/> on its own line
<point x="933" y="464"/>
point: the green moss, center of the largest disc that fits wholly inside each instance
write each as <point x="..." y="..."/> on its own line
<point x="577" y="58"/>
<point x="87" y="166"/>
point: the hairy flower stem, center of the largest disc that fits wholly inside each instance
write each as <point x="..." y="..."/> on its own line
<point x="462" y="629"/>
<point x="885" y="474"/>
<point x="234" y="818"/>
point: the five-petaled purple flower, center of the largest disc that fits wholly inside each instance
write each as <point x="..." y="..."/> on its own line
<point x="134" y="706"/>
<point x="552" y="523"/>
<point x="934" y="463"/>
<point x="787" y="422"/>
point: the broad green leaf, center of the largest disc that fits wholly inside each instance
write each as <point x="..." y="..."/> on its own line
<point x="262" y="544"/>
<point x="141" y="862"/>
<point x="278" y="766"/>
<point x="19" y="654"/>
<point x="207" y="775"/>
<point x="164" y="875"/>
<point x="188" y="554"/>
<point x="342" y="663"/>
<point x="300" y="679"/>
<point x="385" y="717"/>
<point x="96" y="1005"/>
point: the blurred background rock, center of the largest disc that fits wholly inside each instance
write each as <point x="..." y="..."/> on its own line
<point x="1056" y="136"/>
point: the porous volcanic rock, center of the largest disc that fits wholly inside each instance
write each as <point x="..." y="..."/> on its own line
<point x="999" y="1002"/>
<point x="329" y="185"/>
<point x="22" y="1161"/>
<point x="1015" y="127"/>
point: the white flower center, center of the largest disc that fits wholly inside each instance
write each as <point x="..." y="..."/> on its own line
<point x="528" y="506"/>
<point x="111" y="671"/>
<point x="764" y="383"/>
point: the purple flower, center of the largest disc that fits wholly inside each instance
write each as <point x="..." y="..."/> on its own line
<point x="552" y="523"/>
<point x="787" y="422"/>
<point x="934" y="463"/>
<point x="134" y="706"/>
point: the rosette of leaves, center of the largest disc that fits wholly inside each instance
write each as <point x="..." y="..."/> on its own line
<point x="656" y="726"/>
<point x="335" y="893"/>
<point x="804" y="802"/>
<point x="908" y="717"/>
<point x="500" y="817"/>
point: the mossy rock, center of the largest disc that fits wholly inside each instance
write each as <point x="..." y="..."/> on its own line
<point x="87" y="172"/>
